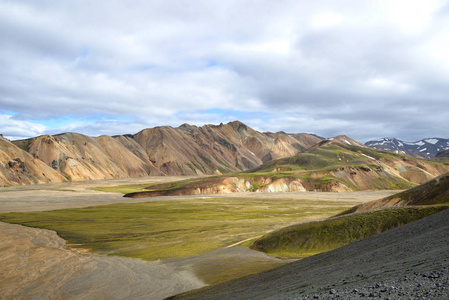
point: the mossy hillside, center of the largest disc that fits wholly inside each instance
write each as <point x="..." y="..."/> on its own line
<point x="331" y="156"/>
<point x="320" y="158"/>
<point x="306" y="239"/>
<point x="174" y="228"/>
<point x="318" y="168"/>
<point x="435" y="191"/>
<point x="392" y="183"/>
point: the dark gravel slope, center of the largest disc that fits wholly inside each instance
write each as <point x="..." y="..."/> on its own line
<point x="408" y="262"/>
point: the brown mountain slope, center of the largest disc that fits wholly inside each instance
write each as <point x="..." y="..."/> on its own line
<point x="435" y="191"/>
<point x="80" y="157"/>
<point x="186" y="150"/>
<point x="210" y="149"/>
<point x="19" y="167"/>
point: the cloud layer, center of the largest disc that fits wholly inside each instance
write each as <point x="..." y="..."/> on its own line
<point x="364" y="69"/>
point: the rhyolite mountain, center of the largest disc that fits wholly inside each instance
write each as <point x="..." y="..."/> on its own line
<point x="19" y="167"/>
<point x="338" y="164"/>
<point x="426" y="148"/>
<point x="185" y="150"/>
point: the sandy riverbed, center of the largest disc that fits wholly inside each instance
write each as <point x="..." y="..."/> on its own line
<point x="44" y="197"/>
<point x="36" y="265"/>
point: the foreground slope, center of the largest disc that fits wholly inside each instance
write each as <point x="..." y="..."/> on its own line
<point x="304" y="239"/>
<point x="37" y="265"/>
<point x="395" y="263"/>
<point x="186" y="150"/>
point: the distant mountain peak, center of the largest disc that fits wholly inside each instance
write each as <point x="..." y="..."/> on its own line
<point x="426" y="148"/>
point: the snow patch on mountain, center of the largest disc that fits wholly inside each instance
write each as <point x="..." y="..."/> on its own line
<point x="432" y="141"/>
<point x="426" y="148"/>
<point x="368" y="156"/>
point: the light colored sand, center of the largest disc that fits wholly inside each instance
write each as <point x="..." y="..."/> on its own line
<point x="36" y="265"/>
<point x="77" y="194"/>
<point x="41" y="197"/>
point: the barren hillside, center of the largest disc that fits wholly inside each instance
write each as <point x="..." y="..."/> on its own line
<point x="19" y="167"/>
<point x="186" y="150"/>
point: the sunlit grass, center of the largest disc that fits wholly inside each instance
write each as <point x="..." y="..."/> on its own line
<point x="174" y="228"/>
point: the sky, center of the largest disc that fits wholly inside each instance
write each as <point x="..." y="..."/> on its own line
<point x="366" y="69"/>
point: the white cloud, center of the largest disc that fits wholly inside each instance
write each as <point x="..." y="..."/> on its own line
<point x="16" y="129"/>
<point x="318" y="67"/>
<point x="326" y="20"/>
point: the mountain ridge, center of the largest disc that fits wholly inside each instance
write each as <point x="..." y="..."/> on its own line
<point x="163" y="150"/>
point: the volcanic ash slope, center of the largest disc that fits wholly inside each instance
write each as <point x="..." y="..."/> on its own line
<point x="408" y="262"/>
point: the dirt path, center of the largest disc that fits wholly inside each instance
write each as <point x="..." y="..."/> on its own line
<point x="241" y="242"/>
<point x="35" y="264"/>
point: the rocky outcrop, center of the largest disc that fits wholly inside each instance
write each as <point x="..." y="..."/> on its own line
<point x="226" y="185"/>
<point x="223" y="185"/>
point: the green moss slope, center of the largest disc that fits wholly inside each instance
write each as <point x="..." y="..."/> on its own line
<point x="306" y="239"/>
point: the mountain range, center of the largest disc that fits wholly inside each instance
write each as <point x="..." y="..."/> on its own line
<point x="185" y="150"/>
<point x="334" y="164"/>
<point x="426" y="148"/>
